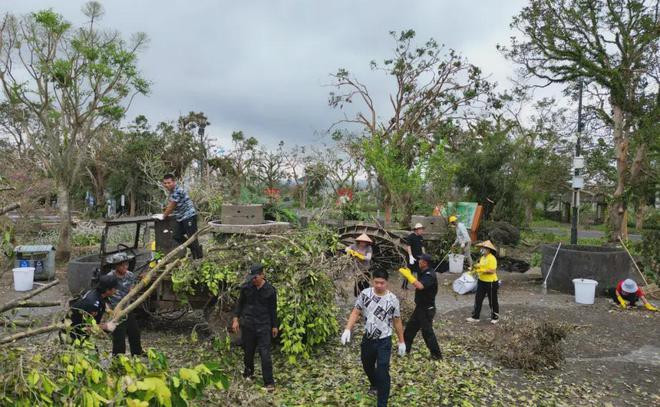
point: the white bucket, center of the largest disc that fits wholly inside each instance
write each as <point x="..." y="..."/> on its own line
<point x="23" y="278"/>
<point x="456" y="263"/>
<point x="585" y="290"/>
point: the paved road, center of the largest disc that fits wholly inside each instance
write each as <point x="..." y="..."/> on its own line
<point x="581" y="233"/>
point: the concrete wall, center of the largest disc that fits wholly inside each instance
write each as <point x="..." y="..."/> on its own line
<point x="606" y="265"/>
<point x="242" y="214"/>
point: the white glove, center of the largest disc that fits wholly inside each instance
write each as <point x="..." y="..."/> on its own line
<point x="159" y="216"/>
<point x="110" y="326"/>
<point x="411" y="260"/>
<point x="345" y="337"/>
<point x="402" y="349"/>
<point x="462" y="245"/>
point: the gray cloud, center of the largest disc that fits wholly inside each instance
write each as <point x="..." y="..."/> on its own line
<point x="260" y="66"/>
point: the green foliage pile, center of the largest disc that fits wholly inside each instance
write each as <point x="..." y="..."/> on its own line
<point x="68" y="376"/>
<point x="650" y="245"/>
<point x="295" y="263"/>
<point x="275" y="211"/>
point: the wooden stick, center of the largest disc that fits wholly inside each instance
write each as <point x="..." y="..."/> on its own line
<point x="12" y="304"/>
<point x="23" y="323"/>
<point x="633" y="261"/>
<point x="32" y="332"/>
<point x="37" y="304"/>
<point x="9" y="208"/>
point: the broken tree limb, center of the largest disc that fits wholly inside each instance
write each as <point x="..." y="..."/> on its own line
<point x="32" y="332"/>
<point x="22" y="323"/>
<point x="120" y="313"/>
<point x="12" y="304"/>
<point x="9" y="208"/>
<point x="37" y="304"/>
<point x="151" y="273"/>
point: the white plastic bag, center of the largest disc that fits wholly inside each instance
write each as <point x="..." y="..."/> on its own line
<point x="465" y="284"/>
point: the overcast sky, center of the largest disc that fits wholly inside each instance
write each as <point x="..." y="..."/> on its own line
<point x="261" y="66"/>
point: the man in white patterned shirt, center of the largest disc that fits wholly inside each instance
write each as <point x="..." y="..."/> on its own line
<point x="381" y="311"/>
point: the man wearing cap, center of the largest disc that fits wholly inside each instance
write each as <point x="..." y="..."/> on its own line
<point x="462" y="238"/>
<point x="381" y="311"/>
<point x="361" y="251"/>
<point x="487" y="284"/>
<point x="415" y="249"/>
<point x="627" y="293"/>
<point x="127" y="280"/>
<point x="426" y="288"/>
<point x="180" y="204"/>
<point x="93" y="303"/>
<point x="255" y="316"/>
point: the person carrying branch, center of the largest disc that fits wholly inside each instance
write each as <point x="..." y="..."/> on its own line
<point x="627" y="293"/>
<point x="127" y="280"/>
<point x="415" y="249"/>
<point x="462" y="239"/>
<point x="180" y="204"/>
<point x="361" y="251"/>
<point x="93" y="304"/>
<point x="426" y="288"/>
<point x="255" y="316"/>
<point x="381" y="311"/>
<point x="487" y="285"/>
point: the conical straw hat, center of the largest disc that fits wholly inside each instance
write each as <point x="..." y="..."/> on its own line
<point x="487" y="244"/>
<point x="363" y="238"/>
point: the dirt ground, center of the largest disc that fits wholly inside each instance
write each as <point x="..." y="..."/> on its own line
<point x="612" y="356"/>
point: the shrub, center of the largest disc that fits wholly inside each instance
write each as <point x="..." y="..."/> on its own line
<point x="650" y="244"/>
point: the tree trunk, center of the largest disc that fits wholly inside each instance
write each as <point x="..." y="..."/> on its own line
<point x="640" y="213"/>
<point x="387" y="208"/>
<point x="131" y="203"/>
<point x="64" y="211"/>
<point x="617" y="207"/>
<point x="303" y="194"/>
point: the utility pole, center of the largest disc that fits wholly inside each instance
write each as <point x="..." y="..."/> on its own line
<point x="578" y="165"/>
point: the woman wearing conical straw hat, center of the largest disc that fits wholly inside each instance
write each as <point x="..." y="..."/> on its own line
<point x="361" y="252"/>
<point x="487" y="285"/>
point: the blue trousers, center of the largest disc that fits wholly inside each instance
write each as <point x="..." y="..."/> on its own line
<point x="375" y="355"/>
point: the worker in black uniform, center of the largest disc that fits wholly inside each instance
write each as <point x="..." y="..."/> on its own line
<point x="426" y="288"/>
<point x="93" y="304"/>
<point x="256" y="318"/>
<point x="415" y="249"/>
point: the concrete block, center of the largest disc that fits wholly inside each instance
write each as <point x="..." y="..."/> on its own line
<point x="432" y="224"/>
<point x="242" y="214"/>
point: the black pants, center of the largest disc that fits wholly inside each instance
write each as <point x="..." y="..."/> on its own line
<point x="631" y="298"/>
<point x="375" y="355"/>
<point x="422" y="318"/>
<point x="489" y="290"/>
<point x="257" y="339"/>
<point x="130" y="327"/>
<point x="185" y="229"/>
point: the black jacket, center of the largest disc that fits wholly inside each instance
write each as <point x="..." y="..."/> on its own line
<point x="257" y="307"/>
<point x="91" y="303"/>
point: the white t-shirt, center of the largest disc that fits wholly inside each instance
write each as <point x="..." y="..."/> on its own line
<point x="378" y="312"/>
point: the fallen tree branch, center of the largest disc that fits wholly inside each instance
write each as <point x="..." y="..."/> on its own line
<point x="151" y="273"/>
<point x="32" y="332"/>
<point x="37" y="304"/>
<point x="120" y="313"/>
<point x="12" y="304"/>
<point x="23" y="323"/>
<point x="9" y="208"/>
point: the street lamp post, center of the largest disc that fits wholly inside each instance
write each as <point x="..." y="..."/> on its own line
<point x="578" y="180"/>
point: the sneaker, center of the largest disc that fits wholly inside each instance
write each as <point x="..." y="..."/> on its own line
<point x="494" y="321"/>
<point x="269" y="387"/>
<point x="372" y="391"/>
<point x="472" y="320"/>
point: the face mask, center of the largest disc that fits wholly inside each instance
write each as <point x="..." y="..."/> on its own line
<point x="483" y="251"/>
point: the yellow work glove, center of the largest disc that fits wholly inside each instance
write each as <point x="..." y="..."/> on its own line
<point x="407" y="274"/>
<point x="622" y="302"/>
<point x="650" y="307"/>
<point x="356" y="254"/>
